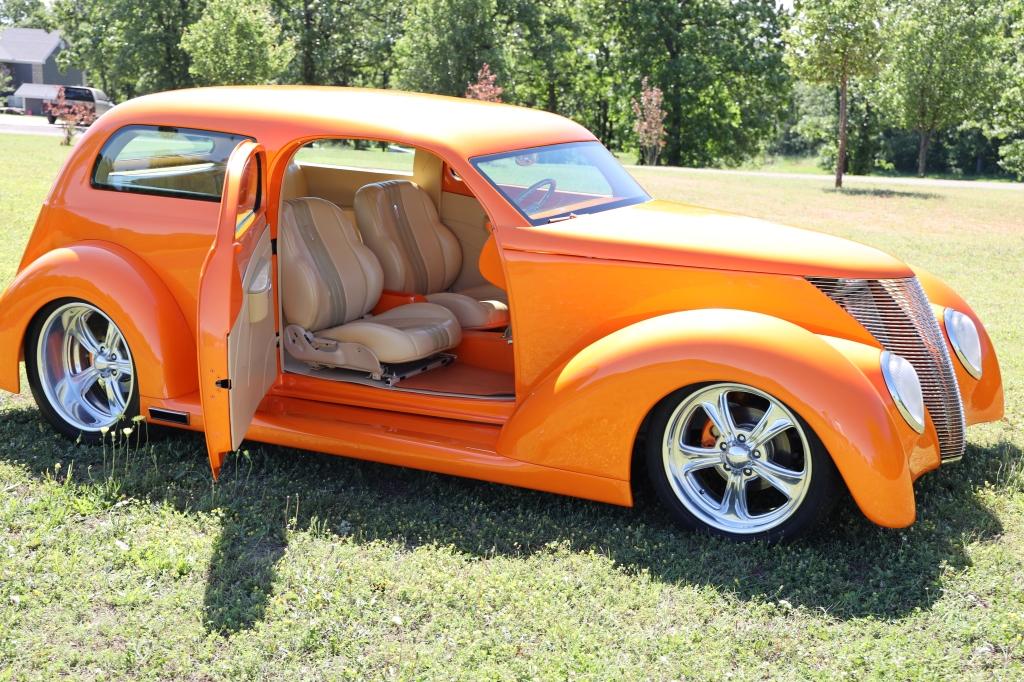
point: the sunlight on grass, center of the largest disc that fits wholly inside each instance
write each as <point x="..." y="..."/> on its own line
<point x="125" y="561"/>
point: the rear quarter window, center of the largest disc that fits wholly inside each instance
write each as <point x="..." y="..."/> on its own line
<point x="175" y="162"/>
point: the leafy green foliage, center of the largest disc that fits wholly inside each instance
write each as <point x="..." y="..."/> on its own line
<point x="30" y="13"/>
<point x="833" y="43"/>
<point x="127" y="47"/>
<point x="444" y="43"/>
<point x="719" y="65"/>
<point x="236" y="42"/>
<point x="1007" y="121"/>
<point x="5" y="84"/>
<point x="941" y="70"/>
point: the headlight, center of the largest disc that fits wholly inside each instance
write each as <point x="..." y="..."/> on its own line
<point x="905" y="388"/>
<point x="963" y="336"/>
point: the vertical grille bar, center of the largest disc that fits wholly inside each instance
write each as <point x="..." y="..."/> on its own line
<point x="897" y="313"/>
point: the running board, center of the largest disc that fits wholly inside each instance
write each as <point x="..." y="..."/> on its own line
<point x="436" y="444"/>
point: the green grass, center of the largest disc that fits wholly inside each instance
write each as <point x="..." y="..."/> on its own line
<point x="127" y="562"/>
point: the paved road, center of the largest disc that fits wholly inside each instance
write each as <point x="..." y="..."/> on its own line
<point x="848" y="180"/>
<point x="28" y="125"/>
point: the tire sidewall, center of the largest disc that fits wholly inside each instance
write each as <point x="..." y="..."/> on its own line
<point x="49" y="413"/>
<point x="821" y="494"/>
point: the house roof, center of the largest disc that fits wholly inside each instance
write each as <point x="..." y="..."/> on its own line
<point x="36" y="91"/>
<point x="28" y="45"/>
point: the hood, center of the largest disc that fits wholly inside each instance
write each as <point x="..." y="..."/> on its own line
<point x="670" y="233"/>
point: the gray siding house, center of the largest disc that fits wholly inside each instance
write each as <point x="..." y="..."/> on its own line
<point x="30" y="55"/>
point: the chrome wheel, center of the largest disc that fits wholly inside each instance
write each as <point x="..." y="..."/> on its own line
<point x="85" y="367"/>
<point x="736" y="458"/>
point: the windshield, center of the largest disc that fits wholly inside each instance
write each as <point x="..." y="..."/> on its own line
<point x="560" y="181"/>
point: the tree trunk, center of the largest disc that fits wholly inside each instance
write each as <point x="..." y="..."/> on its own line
<point x="922" y="152"/>
<point x="307" y="45"/>
<point x="841" y="154"/>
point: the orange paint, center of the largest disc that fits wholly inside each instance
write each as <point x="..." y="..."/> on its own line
<point x="610" y="311"/>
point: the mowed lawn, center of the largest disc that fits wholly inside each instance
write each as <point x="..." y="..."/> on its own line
<point x="127" y="562"/>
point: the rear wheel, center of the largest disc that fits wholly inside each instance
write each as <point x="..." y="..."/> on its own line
<point x="80" y="370"/>
<point x="733" y="460"/>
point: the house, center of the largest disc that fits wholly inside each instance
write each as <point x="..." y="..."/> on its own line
<point x="30" y="55"/>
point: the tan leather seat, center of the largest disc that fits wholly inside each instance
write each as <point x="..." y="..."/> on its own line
<point x="330" y="281"/>
<point x="420" y="255"/>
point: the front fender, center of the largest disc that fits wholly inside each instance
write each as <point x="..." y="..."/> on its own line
<point x="126" y="289"/>
<point x="586" y="415"/>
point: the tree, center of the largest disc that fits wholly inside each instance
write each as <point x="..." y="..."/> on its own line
<point x="941" y="72"/>
<point x="236" y="42"/>
<point x="486" y="86"/>
<point x="29" y="13"/>
<point x="70" y="114"/>
<point x="443" y="44"/>
<point x="5" y="84"/>
<point x="719" y="65"/>
<point x="1006" y="124"/>
<point x="127" y="47"/>
<point x="832" y="42"/>
<point x="650" y="122"/>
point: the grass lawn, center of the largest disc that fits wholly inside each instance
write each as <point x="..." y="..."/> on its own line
<point x="125" y="562"/>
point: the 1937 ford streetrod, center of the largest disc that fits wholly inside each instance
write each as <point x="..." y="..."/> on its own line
<point x="480" y="290"/>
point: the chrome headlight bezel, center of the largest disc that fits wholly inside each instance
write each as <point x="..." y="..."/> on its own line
<point x="964" y="338"/>
<point x="905" y="388"/>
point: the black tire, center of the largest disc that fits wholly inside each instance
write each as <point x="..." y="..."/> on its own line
<point x="51" y="119"/>
<point x="824" y="488"/>
<point x="49" y="413"/>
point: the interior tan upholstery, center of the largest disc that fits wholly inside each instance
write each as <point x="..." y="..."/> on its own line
<point x="418" y="253"/>
<point x="330" y="281"/>
<point x="294" y="185"/>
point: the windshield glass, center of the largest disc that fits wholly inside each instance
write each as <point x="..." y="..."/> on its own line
<point x="558" y="181"/>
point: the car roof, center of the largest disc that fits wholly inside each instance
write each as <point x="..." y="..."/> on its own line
<point x="276" y="115"/>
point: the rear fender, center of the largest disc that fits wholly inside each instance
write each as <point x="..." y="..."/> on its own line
<point x="586" y="415"/>
<point x="127" y="290"/>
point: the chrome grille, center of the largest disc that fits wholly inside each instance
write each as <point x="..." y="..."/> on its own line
<point x="897" y="313"/>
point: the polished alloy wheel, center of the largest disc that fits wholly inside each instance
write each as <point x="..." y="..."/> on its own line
<point x="85" y="368"/>
<point x="737" y="458"/>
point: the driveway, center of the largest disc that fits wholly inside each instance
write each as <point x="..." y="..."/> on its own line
<point x="28" y="125"/>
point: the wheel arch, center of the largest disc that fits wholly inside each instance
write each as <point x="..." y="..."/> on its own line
<point x="588" y="414"/>
<point x="127" y="290"/>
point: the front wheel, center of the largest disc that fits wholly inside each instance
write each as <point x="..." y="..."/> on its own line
<point x="735" y="461"/>
<point x="80" y="370"/>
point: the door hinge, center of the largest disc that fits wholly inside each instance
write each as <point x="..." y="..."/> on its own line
<point x="273" y="246"/>
<point x="223" y="383"/>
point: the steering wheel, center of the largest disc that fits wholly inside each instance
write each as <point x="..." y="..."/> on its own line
<point x="551" y="184"/>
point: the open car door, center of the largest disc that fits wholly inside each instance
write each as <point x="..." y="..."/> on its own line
<point x="236" y="325"/>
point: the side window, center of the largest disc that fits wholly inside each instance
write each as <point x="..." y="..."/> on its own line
<point x="249" y="198"/>
<point x="176" y="162"/>
<point x="367" y="155"/>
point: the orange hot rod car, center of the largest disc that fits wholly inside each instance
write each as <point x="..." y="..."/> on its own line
<point x="481" y="290"/>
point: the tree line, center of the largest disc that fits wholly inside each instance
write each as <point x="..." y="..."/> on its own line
<point x="918" y="84"/>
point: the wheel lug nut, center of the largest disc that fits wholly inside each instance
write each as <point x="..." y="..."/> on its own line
<point x="727" y="467"/>
<point x="757" y="454"/>
<point x="741" y="438"/>
<point x="724" y="445"/>
<point x="748" y="471"/>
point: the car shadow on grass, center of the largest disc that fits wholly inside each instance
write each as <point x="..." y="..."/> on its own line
<point x="847" y="568"/>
